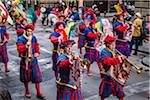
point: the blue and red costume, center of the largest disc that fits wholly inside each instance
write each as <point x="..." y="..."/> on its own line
<point x="81" y="36"/>
<point x="90" y="15"/>
<point x="106" y="60"/>
<point x="66" y="90"/>
<point x="20" y="32"/>
<point x="55" y="39"/>
<point x="3" y="49"/>
<point x="91" y="53"/>
<point x="108" y="85"/>
<point x="121" y="43"/>
<point x="20" y="27"/>
<point x="29" y="69"/>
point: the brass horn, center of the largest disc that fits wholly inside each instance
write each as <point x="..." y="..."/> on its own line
<point x="84" y="63"/>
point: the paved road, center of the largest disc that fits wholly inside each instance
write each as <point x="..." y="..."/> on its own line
<point x="137" y="87"/>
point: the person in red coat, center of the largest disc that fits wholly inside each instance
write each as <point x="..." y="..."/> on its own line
<point x="108" y="59"/>
<point x="28" y="49"/>
<point x="91" y="53"/>
<point x="59" y="35"/>
<point x="4" y="37"/>
<point x="66" y="88"/>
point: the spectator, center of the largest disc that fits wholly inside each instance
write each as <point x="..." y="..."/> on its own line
<point x="48" y="10"/>
<point x="32" y="13"/>
<point x="136" y="35"/>
<point x="75" y="15"/>
<point x="43" y="12"/>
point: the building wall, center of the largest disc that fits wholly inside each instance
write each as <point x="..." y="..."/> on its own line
<point x="142" y="6"/>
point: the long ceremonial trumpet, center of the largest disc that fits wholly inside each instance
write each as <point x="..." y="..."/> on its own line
<point x="84" y="62"/>
<point x="138" y="69"/>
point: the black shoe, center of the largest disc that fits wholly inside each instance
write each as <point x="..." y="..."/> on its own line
<point x="134" y="53"/>
<point x="41" y="97"/>
<point x="28" y="95"/>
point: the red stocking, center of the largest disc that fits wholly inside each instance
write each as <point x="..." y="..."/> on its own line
<point x="80" y="50"/>
<point x="26" y="88"/>
<point x="121" y="98"/>
<point x="88" y="71"/>
<point x="37" y="85"/>
<point x="102" y="98"/>
<point x="6" y="67"/>
<point x="56" y="75"/>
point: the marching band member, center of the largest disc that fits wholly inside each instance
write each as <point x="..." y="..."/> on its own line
<point x="90" y="15"/>
<point x="121" y="43"/>
<point x="23" y="22"/>
<point x="91" y="53"/>
<point x="20" y="27"/>
<point x="81" y="36"/>
<point x="66" y="89"/>
<point x="107" y="59"/>
<point x="20" y="32"/>
<point x="29" y="50"/>
<point x="56" y="37"/>
<point x="4" y="37"/>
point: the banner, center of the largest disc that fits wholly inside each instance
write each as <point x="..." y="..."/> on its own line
<point x="5" y="12"/>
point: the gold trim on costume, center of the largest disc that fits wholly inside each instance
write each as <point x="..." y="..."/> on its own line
<point x="65" y="84"/>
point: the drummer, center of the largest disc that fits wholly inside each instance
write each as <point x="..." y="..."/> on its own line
<point x="108" y="59"/>
<point x="66" y="89"/>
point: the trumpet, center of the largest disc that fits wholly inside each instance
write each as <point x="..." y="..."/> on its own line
<point x="84" y="62"/>
<point x="138" y="69"/>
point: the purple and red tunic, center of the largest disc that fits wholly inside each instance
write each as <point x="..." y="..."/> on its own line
<point x="121" y="43"/>
<point x="91" y="53"/>
<point x="29" y="69"/>
<point x="3" y="49"/>
<point x="108" y="85"/>
<point x="65" y="88"/>
<point x="81" y="36"/>
<point x="54" y="37"/>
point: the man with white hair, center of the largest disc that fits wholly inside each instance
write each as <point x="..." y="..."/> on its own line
<point x="137" y="25"/>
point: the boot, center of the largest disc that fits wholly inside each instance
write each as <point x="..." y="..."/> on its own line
<point x="27" y="94"/>
<point x="6" y="68"/>
<point x="39" y="94"/>
<point x="89" y="72"/>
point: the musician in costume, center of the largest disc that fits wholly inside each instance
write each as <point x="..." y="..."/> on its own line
<point x="28" y="49"/>
<point x="23" y="22"/>
<point x="108" y="59"/>
<point x="90" y="52"/>
<point x="81" y="37"/>
<point x="20" y="27"/>
<point x="90" y="15"/>
<point x="66" y="89"/>
<point x="56" y="38"/>
<point x="121" y="43"/>
<point x="20" y="32"/>
<point x="4" y="37"/>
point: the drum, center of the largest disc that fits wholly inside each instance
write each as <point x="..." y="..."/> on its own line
<point x="76" y="73"/>
<point x="120" y="72"/>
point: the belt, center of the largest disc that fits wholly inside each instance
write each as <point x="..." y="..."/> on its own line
<point x="103" y="72"/>
<point x="89" y="47"/>
<point x="54" y="50"/>
<point x="122" y="40"/>
<point x="65" y="84"/>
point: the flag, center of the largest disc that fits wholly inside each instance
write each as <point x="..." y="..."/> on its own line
<point x="5" y="12"/>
